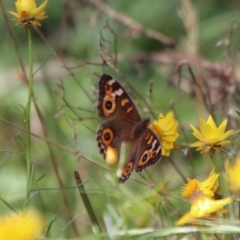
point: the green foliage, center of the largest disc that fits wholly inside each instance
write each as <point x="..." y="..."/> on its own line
<point x="78" y="36"/>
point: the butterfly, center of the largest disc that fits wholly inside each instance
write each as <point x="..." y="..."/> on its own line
<point x="122" y="123"/>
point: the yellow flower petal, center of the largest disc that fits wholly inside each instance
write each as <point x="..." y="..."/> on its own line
<point x="14" y="14"/>
<point x="211" y="122"/>
<point x="23" y="227"/>
<point x="187" y="218"/>
<point x="203" y="207"/>
<point x="196" y="144"/>
<point x="165" y="152"/>
<point x="227" y="134"/>
<point x="190" y="187"/>
<point x="233" y="173"/>
<point x="208" y="186"/>
<point x="25" y="5"/>
<point x="222" y="127"/>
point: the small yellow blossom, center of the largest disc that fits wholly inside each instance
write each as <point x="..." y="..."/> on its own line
<point x="24" y="227"/>
<point x="233" y="174"/>
<point x="210" y="136"/>
<point x="28" y="14"/>
<point x="166" y="131"/>
<point x="203" y="206"/>
<point x="208" y="187"/>
<point x="202" y="196"/>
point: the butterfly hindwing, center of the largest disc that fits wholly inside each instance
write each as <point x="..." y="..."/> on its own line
<point x="144" y="152"/>
<point x="149" y="150"/>
<point x="112" y="134"/>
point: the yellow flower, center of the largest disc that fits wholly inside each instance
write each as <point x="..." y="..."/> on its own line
<point x="233" y="173"/>
<point x="166" y="131"/>
<point x="203" y="206"/>
<point x="24" y="227"/>
<point x="208" y="187"/>
<point x="210" y="136"/>
<point x="28" y="13"/>
<point x="202" y="196"/>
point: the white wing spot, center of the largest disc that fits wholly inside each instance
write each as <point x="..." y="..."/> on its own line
<point x="111" y="82"/>
<point x="118" y="92"/>
<point x="159" y="148"/>
<point x="153" y="144"/>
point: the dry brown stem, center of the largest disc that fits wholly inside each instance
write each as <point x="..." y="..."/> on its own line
<point x="132" y="24"/>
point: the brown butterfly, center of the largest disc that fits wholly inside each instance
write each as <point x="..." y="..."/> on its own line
<point x="123" y="123"/>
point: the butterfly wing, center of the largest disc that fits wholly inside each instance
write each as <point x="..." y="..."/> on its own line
<point x="112" y="134"/>
<point x="149" y="150"/>
<point x="119" y="112"/>
<point x="130" y="163"/>
<point x="144" y="152"/>
<point x="114" y="102"/>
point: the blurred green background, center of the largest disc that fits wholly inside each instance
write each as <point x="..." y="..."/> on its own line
<point x="80" y="32"/>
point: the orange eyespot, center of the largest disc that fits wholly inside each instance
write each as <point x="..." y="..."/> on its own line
<point x="108" y="106"/>
<point x="107" y="136"/>
<point x="128" y="168"/>
<point x="144" y="158"/>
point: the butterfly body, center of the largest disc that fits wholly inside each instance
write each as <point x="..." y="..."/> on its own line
<point x="122" y="123"/>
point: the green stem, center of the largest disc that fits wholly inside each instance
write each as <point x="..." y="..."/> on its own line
<point x="28" y="113"/>
<point x="215" y="163"/>
<point x="220" y="180"/>
<point x="220" y="183"/>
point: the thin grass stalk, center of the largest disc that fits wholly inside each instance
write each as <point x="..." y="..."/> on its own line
<point x="28" y="115"/>
<point x="220" y="182"/>
<point x="215" y="163"/>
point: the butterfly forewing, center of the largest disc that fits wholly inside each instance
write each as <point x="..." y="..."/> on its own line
<point x="114" y="102"/>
